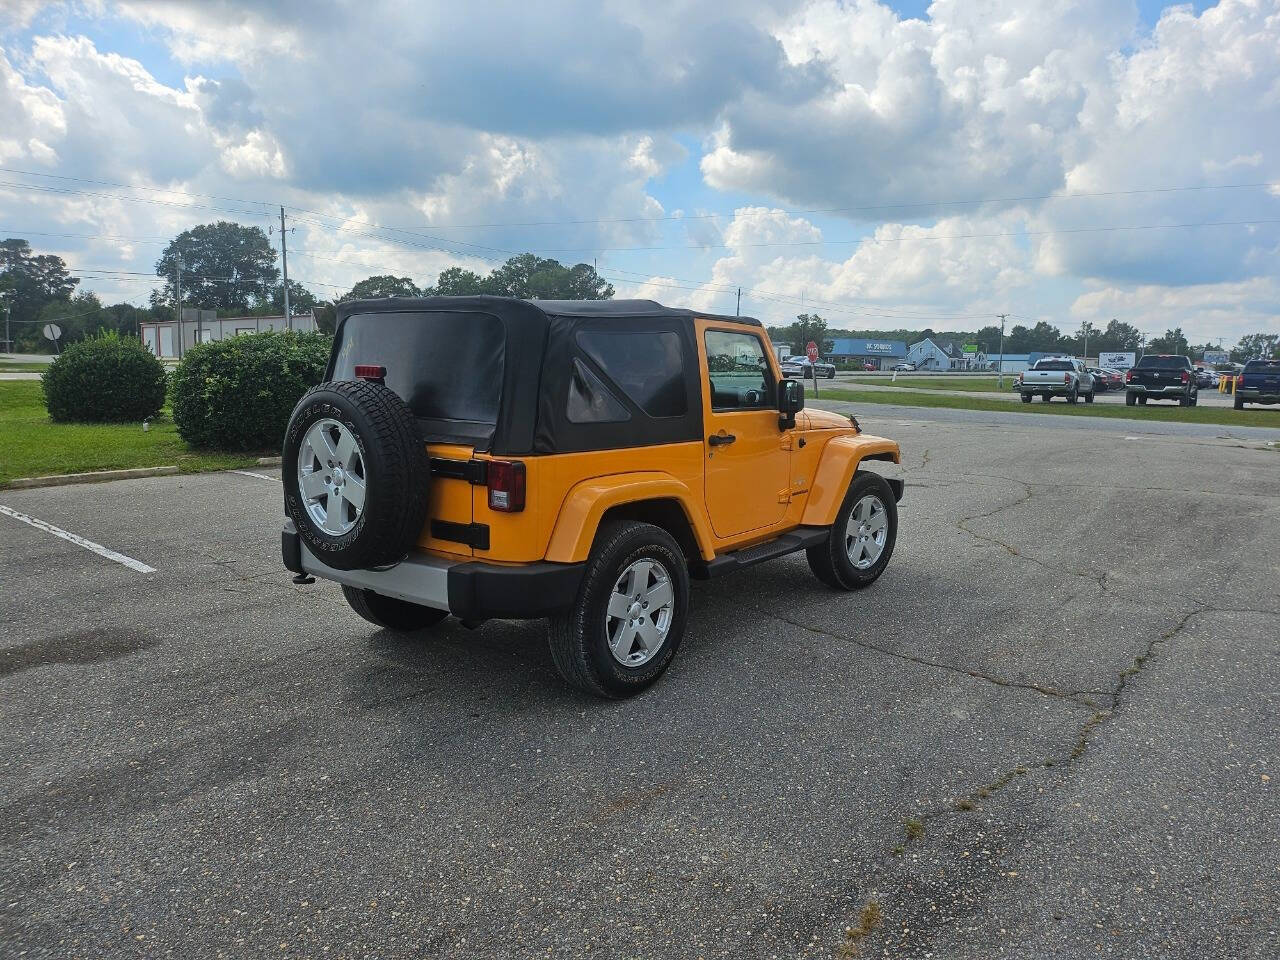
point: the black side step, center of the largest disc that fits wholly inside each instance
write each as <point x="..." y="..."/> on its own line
<point x="769" y="550"/>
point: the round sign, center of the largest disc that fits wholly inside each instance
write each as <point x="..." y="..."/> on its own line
<point x="52" y="331"/>
<point x="812" y="350"/>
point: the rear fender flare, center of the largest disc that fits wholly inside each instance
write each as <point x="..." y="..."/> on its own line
<point x="840" y="460"/>
<point x="588" y="501"/>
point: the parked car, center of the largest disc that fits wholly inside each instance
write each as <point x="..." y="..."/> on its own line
<point x="1161" y="377"/>
<point x="801" y="367"/>
<point x="905" y="365"/>
<point x="425" y="494"/>
<point x="1205" y="378"/>
<point x="870" y="365"/>
<point x="1101" y="383"/>
<point x="1115" y="379"/>
<point x="1056" y="377"/>
<point x="1259" y="382"/>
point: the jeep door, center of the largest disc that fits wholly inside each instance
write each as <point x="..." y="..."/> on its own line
<point x="747" y="463"/>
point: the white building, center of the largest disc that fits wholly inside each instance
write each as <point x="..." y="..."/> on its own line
<point x="928" y="354"/>
<point x="203" y="326"/>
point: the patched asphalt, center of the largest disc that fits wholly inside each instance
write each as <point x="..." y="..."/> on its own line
<point x="1049" y="730"/>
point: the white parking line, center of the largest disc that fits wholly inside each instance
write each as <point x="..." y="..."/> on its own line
<point x="89" y="545"/>
<point x="258" y="476"/>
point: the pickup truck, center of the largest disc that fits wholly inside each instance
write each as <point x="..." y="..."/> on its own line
<point x="1259" y="382"/>
<point x="1161" y="377"/>
<point x="1056" y="377"/>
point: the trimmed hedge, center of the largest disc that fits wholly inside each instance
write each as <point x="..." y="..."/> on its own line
<point x="237" y="394"/>
<point x="106" y="379"/>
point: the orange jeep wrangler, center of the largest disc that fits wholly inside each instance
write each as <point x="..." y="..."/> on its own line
<point x="486" y="457"/>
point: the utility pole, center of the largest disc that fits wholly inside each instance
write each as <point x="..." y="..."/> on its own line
<point x="284" y="263"/>
<point x="7" y="297"/>
<point x="1085" y="327"/>
<point x="738" y="310"/>
<point x="177" y="280"/>
<point x="1000" y="363"/>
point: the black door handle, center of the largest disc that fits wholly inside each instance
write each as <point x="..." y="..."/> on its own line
<point x="719" y="439"/>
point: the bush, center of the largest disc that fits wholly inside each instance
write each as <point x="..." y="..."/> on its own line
<point x="237" y="394"/>
<point x="109" y="378"/>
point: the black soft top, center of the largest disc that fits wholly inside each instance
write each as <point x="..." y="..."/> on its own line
<point x="535" y="359"/>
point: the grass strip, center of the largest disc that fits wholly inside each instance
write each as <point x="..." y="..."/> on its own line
<point x="1164" y="413"/>
<point x="36" y="447"/>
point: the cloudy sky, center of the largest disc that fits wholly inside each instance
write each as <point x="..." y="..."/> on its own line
<point x="884" y="163"/>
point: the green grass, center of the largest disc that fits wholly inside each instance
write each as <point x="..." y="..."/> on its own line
<point x="19" y="366"/>
<point x="35" y="447"/>
<point x="1162" y="413"/>
<point x="968" y="384"/>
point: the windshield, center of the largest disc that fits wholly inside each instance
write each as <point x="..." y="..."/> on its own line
<point x="446" y="366"/>
<point x="1150" y="362"/>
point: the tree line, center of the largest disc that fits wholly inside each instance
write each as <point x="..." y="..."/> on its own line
<point x="1042" y="337"/>
<point x="231" y="268"/>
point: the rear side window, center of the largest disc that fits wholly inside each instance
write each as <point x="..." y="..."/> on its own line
<point x="446" y="366"/>
<point x="647" y="367"/>
<point x="590" y="401"/>
<point x="1054" y="365"/>
<point x="1150" y="362"/>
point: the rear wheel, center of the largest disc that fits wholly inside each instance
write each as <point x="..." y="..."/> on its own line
<point x="625" y="626"/>
<point x="1239" y="402"/>
<point x="391" y="613"/>
<point x="1073" y="395"/>
<point x="1142" y="401"/>
<point x="861" y="539"/>
<point x="1130" y="398"/>
<point x="1026" y="398"/>
<point x="1088" y="397"/>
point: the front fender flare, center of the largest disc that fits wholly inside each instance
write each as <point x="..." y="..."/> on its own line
<point x="840" y="460"/>
<point x="587" y="502"/>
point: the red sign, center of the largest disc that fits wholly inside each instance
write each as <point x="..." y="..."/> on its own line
<point x="812" y="350"/>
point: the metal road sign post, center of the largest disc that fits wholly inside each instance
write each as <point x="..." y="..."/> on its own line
<point x="811" y="349"/>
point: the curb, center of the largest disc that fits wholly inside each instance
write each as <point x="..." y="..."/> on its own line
<point x="268" y="461"/>
<point x="97" y="476"/>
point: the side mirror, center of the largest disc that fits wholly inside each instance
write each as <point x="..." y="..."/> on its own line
<point x="790" y="402"/>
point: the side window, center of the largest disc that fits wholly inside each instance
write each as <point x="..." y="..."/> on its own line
<point x="590" y="400"/>
<point x="740" y="378"/>
<point x="648" y="367"/>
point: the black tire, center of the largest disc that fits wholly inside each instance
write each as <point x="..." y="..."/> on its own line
<point x="1073" y="395"/>
<point x="1238" y="403"/>
<point x="1045" y="397"/>
<point x="1142" y="401"/>
<point x="831" y="374"/>
<point x="1130" y="398"/>
<point x="1026" y="398"/>
<point x="390" y="613"/>
<point x="1088" y="397"/>
<point x="579" y="637"/>
<point x="396" y="473"/>
<point x="830" y="561"/>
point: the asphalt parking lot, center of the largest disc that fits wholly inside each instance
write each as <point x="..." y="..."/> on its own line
<point x="1049" y="730"/>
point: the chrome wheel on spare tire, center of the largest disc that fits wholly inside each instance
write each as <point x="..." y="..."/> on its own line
<point x="331" y="477"/>
<point x="356" y="474"/>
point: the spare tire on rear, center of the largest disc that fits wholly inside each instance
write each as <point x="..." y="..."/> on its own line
<point x="355" y="473"/>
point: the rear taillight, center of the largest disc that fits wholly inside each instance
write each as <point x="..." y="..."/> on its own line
<point x="1239" y="379"/>
<point x="371" y="371"/>
<point x="506" y="485"/>
<point x="1128" y="376"/>
<point x="1185" y="376"/>
<point x="1066" y="378"/>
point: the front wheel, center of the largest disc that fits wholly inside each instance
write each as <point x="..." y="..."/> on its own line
<point x="625" y="626"/>
<point x="861" y="539"/>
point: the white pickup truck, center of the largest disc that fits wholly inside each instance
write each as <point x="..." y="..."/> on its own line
<point x="1056" y="377"/>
